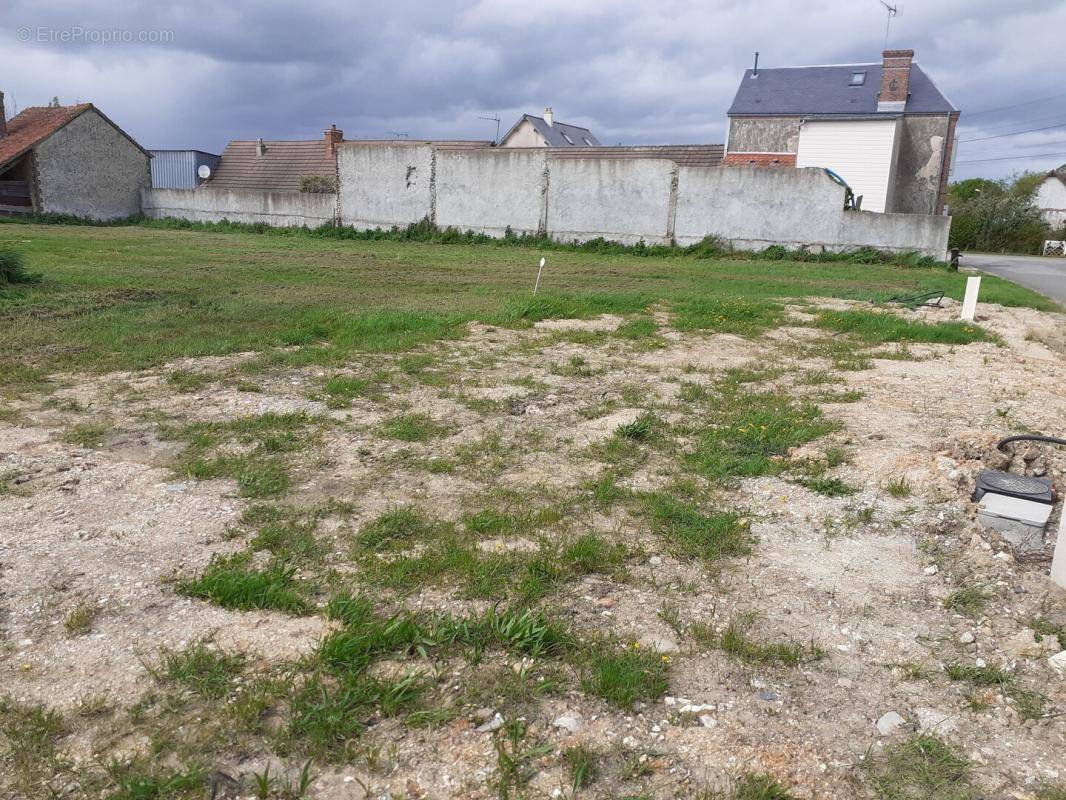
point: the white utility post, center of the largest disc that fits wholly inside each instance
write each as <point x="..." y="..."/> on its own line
<point x="1058" y="561"/>
<point x="969" y="301"/>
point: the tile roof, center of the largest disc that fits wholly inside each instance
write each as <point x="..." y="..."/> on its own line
<point x="684" y="155"/>
<point x="803" y="91"/>
<point x="279" y="169"/>
<point x="33" y="125"/>
<point x="556" y="134"/>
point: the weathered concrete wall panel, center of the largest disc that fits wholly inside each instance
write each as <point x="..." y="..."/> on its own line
<point x="752" y="208"/>
<point x="280" y="209"/>
<point x="622" y="200"/>
<point x="488" y="191"/>
<point x="385" y="185"/>
<point x="89" y="169"/>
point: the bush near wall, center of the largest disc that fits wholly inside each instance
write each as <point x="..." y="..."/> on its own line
<point x="997" y="216"/>
<point x="318" y="184"/>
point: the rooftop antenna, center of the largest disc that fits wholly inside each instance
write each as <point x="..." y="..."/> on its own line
<point x="497" y="121"/>
<point x="893" y="11"/>
<point x="399" y="134"/>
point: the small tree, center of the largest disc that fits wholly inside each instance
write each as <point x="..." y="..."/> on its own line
<point x="1004" y="222"/>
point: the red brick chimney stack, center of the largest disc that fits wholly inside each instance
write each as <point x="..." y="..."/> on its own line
<point x="895" y="80"/>
<point x="3" y="117"/>
<point x="333" y="138"/>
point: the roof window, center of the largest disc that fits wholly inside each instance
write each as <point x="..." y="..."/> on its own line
<point x="857" y="79"/>
<point x="568" y="139"/>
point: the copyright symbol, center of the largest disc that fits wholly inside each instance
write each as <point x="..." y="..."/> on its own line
<point x="23" y="34"/>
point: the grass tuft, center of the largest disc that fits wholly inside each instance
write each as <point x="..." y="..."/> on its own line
<point x="879" y="327"/>
<point x="921" y="767"/>
<point x="231" y="582"/>
<point x="693" y="534"/>
<point x="622" y="676"/>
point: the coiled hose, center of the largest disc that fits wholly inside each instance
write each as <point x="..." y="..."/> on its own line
<point x="1030" y="437"/>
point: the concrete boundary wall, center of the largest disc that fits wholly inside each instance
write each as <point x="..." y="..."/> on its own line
<point x="491" y="190"/>
<point x="569" y="198"/>
<point x="280" y="209"/>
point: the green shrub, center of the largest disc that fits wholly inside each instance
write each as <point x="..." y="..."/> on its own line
<point x="13" y="268"/>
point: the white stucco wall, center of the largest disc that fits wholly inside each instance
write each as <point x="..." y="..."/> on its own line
<point x="279" y="209"/>
<point x="489" y="190"/>
<point x="382" y="185"/>
<point x="1050" y="198"/>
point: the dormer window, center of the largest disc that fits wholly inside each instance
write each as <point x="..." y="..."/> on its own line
<point x="857" y="79"/>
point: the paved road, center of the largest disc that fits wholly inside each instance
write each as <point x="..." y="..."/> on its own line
<point x="1044" y="275"/>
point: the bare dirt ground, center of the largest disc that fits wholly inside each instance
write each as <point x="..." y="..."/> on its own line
<point x="95" y="515"/>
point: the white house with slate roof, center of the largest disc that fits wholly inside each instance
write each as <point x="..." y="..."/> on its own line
<point x="883" y="127"/>
<point x="544" y="131"/>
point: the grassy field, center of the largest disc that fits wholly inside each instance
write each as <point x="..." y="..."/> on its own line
<point x="133" y="297"/>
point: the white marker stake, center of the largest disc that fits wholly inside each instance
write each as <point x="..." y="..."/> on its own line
<point x="969" y="302"/>
<point x="537" y="284"/>
<point x="1058" y="562"/>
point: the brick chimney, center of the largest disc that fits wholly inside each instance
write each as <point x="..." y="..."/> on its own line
<point x="895" y="80"/>
<point x="333" y="138"/>
<point x="3" y="117"/>
<point x="548" y="117"/>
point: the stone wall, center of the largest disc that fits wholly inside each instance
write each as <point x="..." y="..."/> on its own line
<point x="88" y="168"/>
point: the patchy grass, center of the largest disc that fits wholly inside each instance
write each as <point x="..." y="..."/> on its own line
<point x="397" y="528"/>
<point x="231" y="582"/>
<point x="921" y="767"/>
<point x="417" y="427"/>
<point x="342" y="390"/>
<point x="29" y="736"/>
<point x="694" y="534"/>
<point x="86" y="434"/>
<point x="621" y="676"/>
<point x="751" y="786"/>
<point x="879" y="327"/>
<point x="752" y="433"/>
<point x="732" y="315"/>
<point x="830" y="487"/>
<point x="186" y="381"/>
<point x="639" y="429"/>
<point x="987" y="675"/>
<point x="199" y="668"/>
<point x="736" y="640"/>
<point x="970" y="600"/>
<point x="899" y="487"/>
<point x="80" y="620"/>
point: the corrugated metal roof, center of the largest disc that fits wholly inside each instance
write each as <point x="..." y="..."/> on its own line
<point x="279" y="169"/>
<point x="803" y="91"/>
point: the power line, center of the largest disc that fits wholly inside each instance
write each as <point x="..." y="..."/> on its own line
<point x="1016" y="105"/>
<point x="1012" y="158"/>
<point x="1015" y="133"/>
<point x="1002" y="125"/>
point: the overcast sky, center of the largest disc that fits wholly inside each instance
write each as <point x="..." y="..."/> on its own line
<point x="634" y="72"/>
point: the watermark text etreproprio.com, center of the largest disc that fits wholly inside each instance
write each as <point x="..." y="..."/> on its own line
<point x="77" y="34"/>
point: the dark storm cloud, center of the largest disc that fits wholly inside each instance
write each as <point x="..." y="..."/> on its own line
<point x="634" y="72"/>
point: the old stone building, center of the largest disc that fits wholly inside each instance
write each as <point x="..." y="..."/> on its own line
<point x="69" y="160"/>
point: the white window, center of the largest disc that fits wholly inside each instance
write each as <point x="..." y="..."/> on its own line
<point x="857" y="79"/>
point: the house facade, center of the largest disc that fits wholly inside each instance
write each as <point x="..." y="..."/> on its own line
<point x="883" y="127"/>
<point x="544" y="131"/>
<point x="70" y="160"/>
<point x="276" y="166"/>
<point x="1050" y="198"/>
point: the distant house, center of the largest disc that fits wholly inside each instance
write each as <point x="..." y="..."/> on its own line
<point x="277" y="166"/>
<point x="69" y="160"/>
<point x="1050" y="197"/>
<point x="181" y="169"/>
<point x="883" y="127"/>
<point x="544" y="131"/>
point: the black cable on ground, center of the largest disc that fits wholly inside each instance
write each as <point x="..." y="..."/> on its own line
<point x="1030" y="437"/>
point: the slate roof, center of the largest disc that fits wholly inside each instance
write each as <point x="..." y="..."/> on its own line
<point x="809" y="91"/>
<point x="556" y="134"/>
<point x="33" y="125"/>
<point x="684" y="155"/>
<point x="279" y="169"/>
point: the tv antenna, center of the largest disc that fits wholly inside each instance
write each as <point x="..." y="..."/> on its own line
<point x="497" y="121"/>
<point x="399" y="134"/>
<point x="893" y="11"/>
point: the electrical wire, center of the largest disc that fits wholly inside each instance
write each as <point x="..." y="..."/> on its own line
<point x="1011" y="158"/>
<point x="1016" y="105"/>
<point x="1016" y="133"/>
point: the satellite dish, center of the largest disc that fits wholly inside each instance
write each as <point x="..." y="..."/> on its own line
<point x="204" y="172"/>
